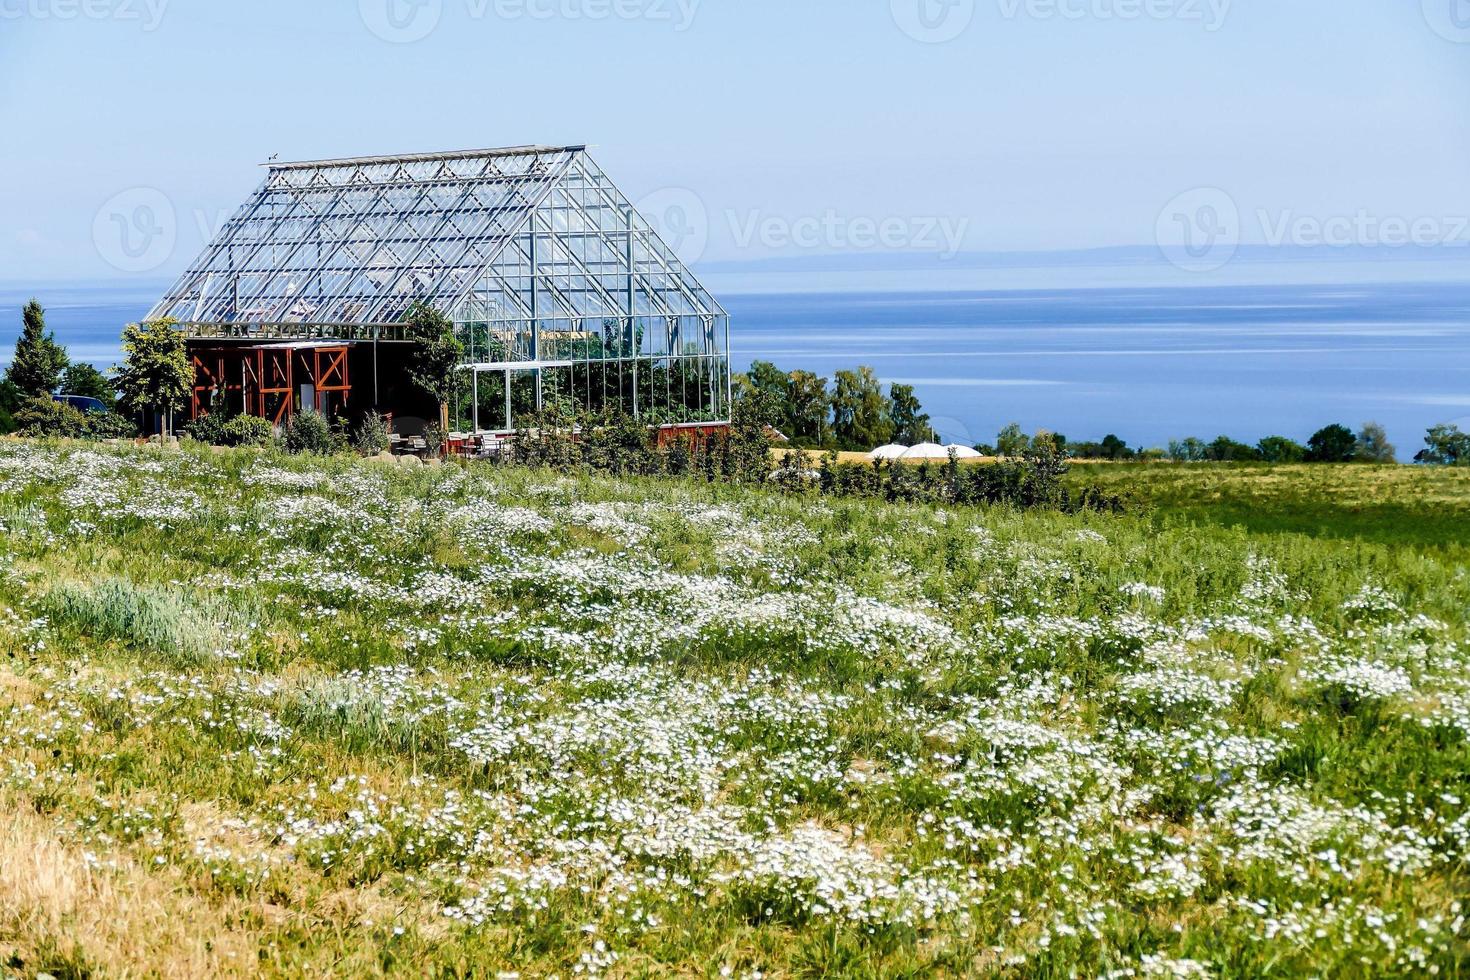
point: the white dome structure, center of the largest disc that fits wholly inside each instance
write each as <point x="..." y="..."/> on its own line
<point x="891" y="451"/>
<point x="926" y="450"/>
<point x="963" y="452"/>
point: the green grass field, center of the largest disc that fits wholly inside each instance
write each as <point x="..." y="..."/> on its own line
<point x="263" y="716"/>
<point x="1405" y="505"/>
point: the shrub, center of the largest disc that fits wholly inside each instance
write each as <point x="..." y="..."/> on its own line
<point x="208" y="429"/>
<point x="46" y="417"/>
<point x="371" y="436"/>
<point x="41" y="417"/>
<point x="220" y="429"/>
<point x="111" y="425"/>
<point x="247" y="430"/>
<point x="1041" y="482"/>
<point x="308" y="432"/>
<point x="549" y="443"/>
<point x="677" y="457"/>
<point x="620" y="445"/>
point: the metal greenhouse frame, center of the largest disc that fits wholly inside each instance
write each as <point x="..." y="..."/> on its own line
<point x="561" y="292"/>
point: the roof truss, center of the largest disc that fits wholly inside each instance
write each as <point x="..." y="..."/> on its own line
<point x="525" y="233"/>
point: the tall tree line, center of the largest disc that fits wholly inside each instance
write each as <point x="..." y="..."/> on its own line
<point x="851" y="410"/>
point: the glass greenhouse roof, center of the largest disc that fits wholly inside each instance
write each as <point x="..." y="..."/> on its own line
<point x="535" y="233"/>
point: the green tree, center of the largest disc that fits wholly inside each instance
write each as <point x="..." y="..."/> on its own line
<point x="1332" y="444"/>
<point x="1115" y="448"/>
<point x="808" y="405"/>
<point x="1446" y="445"/>
<point x="435" y="354"/>
<point x="1190" y="450"/>
<point x="1373" y="445"/>
<point x="81" y="378"/>
<point x="1042" y="473"/>
<point x="910" y="423"/>
<point x="775" y="385"/>
<point x="859" y="410"/>
<point x="1226" y="450"/>
<point x="1279" y="449"/>
<point x="155" y="375"/>
<point x="39" y="359"/>
<point x="747" y="449"/>
<point x="10" y="402"/>
<point x="756" y="404"/>
<point x="1011" y="442"/>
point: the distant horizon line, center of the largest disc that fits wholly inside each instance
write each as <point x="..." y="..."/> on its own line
<point x="1137" y="257"/>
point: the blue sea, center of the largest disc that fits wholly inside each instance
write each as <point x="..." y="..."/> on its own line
<point x="1147" y="363"/>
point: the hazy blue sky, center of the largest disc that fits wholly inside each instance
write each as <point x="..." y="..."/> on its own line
<point x="1040" y="124"/>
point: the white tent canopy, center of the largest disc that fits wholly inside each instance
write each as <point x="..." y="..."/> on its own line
<point x="963" y="452"/>
<point x="926" y="450"/>
<point x="891" y="451"/>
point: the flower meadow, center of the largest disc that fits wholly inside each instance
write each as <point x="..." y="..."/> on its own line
<point x="273" y="716"/>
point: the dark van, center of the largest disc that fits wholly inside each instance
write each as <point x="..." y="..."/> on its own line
<point x="82" y="403"/>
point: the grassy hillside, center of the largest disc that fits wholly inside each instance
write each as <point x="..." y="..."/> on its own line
<point x="262" y="716"/>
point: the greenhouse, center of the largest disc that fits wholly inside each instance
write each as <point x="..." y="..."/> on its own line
<point x="563" y="295"/>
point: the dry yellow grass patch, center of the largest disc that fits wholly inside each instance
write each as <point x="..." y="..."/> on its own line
<point x="15" y="689"/>
<point x="814" y="456"/>
<point x="56" y="909"/>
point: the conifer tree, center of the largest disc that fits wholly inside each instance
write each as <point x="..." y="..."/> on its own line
<point x="39" y="359"/>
